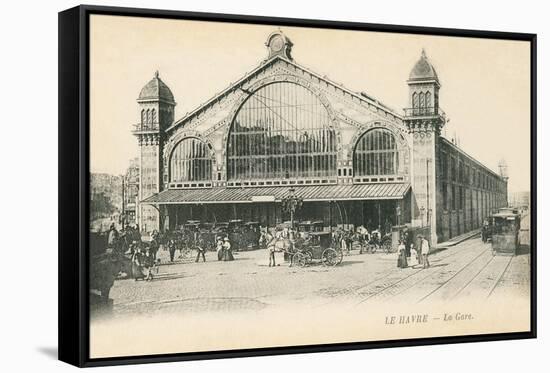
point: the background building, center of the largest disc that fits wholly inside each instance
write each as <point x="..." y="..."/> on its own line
<point x="520" y="199"/>
<point x="352" y="159"/>
<point x="105" y="199"/>
<point x="131" y="192"/>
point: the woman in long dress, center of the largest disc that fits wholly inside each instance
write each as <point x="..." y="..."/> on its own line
<point x="402" y="255"/>
<point x="227" y="254"/>
<point x="219" y="248"/>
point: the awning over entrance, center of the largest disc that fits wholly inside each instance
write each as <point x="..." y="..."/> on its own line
<point x="275" y="194"/>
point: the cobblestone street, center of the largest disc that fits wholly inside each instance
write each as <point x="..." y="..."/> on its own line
<point x="465" y="271"/>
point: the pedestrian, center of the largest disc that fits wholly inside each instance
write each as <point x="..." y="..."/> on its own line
<point x="137" y="264"/>
<point x="219" y="248"/>
<point x="401" y="255"/>
<point x="227" y="254"/>
<point x="148" y="263"/>
<point x="200" y="252"/>
<point x="407" y="238"/>
<point x="349" y="239"/>
<point x="424" y="250"/>
<point x="172" y="248"/>
<point x="154" y="244"/>
<point x="112" y="239"/>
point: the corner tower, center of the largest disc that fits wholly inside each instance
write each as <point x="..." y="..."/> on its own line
<point x="156" y="112"/>
<point x="424" y="120"/>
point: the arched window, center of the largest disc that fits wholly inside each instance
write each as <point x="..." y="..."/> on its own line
<point x="421" y="102"/>
<point x="281" y="131"/>
<point x="191" y="161"/>
<point x="415" y="100"/>
<point x="148" y="116"/>
<point x="143" y="117"/>
<point x="416" y="108"/>
<point x="153" y="116"/>
<point x="376" y="154"/>
<point x="428" y="100"/>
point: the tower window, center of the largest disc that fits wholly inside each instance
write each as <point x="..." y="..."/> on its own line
<point x="428" y="100"/>
<point x="153" y="116"/>
<point x="421" y="102"/>
<point x="415" y="103"/>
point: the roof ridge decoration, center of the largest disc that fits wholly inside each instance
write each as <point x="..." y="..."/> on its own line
<point x="278" y="44"/>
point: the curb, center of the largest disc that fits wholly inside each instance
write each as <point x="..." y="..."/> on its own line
<point x="464" y="237"/>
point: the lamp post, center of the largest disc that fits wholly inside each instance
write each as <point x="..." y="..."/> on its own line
<point x="291" y="204"/>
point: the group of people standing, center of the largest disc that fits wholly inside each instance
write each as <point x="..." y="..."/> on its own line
<point x="128" y="242"/>
<point x="223" y="249"/>
<point x="409" y="254"/>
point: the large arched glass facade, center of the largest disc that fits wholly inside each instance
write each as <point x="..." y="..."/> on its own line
<point x="376" y="153"/>
<point x="191" y="161"/>
<point x="281" y="131"/>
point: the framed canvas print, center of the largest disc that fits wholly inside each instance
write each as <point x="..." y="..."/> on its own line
<point x="237" y="186"/>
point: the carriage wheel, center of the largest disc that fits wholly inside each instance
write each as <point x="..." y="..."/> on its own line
<point x="340" y="256"/>
<point x="331" y="257"/>
<point x="299" y="259"/>
<point x="309" y="257"/>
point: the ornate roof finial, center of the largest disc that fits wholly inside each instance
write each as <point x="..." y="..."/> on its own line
<point x="423" y="55"/>
<point x="279" y="45"/>
<point x="157" y="74"/>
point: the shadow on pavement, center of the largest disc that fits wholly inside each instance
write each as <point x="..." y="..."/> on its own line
<point x="349" y="262"/>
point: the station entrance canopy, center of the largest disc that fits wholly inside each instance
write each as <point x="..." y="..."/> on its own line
<point x="310" y="193"/>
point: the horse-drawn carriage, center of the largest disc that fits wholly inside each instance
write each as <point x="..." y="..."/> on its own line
<point x="243" y="236"/>
<point x="372" y="242"/>
<point x="317" y="247"/>
<point x="251" y="235"/>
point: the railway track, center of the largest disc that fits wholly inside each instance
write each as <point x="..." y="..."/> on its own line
<point x="500" y="277"/>
<point x="381" y="289"/>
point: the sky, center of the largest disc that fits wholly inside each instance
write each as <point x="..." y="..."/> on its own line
<point x="485" y="84"/>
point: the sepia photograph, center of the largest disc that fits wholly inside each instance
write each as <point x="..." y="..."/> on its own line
<point x="262" y="186"/>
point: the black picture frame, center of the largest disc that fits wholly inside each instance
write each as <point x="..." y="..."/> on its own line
<point x="74" y="182"/>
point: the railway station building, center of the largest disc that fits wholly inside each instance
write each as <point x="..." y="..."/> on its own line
<point x="283" y="130"/>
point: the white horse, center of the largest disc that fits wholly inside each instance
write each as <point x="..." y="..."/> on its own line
<point x="275" y="244"/>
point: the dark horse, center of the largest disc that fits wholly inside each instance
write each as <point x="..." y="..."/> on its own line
<point x="105" y="265"/>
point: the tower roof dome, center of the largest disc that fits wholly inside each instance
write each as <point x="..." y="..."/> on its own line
<point x="423" y="69"/>
<point x="156" y="89"/>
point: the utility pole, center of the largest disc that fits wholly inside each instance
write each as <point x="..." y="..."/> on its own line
<point x="123" y="203"/>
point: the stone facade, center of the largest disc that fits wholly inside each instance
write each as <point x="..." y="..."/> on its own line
<point x="416" y="134"/>
<point x="467" y="191"/>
